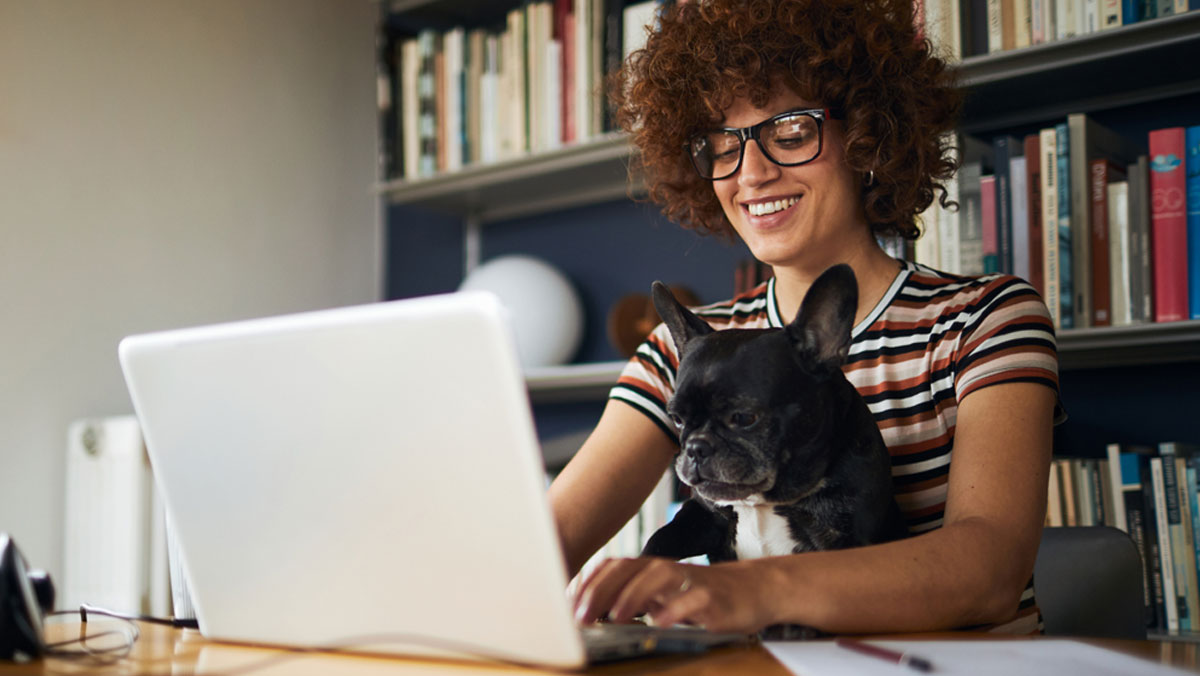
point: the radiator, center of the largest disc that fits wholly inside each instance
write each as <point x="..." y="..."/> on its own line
<point x="114" y="554"/>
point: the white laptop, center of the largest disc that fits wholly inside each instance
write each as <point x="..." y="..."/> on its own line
<point x="364" y="478"/>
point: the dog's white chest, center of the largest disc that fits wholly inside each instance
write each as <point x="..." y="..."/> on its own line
<point x="761" y="532"/>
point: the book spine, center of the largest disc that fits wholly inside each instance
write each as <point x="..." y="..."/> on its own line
<point x="1131" y="11"/>
<point x="1168" y="218"/>
<point x="1165" y="551"/>
<point x="1101" y="274"/>
<point x="1022" y="20"/>
<point x="1005" y="148"/>
<point x="1118" y="253"/>
<point x="1158" y="617"/>
<point x="1019" y="211"/>
<point x="990" y="229"/>
<point x="1048" y="144"/>
<point x="1066" y="276"/>
<point x="1054" y="498"/>
<point x="1110" y="14"/>
<point x="1170" y="489"/>
<point x="1033" y="204"/>
<point x="1187" y="547"/>
<point x="428" y="104"/>
<point x="1116" y="484"/>
<point x="1192" y="171"/>
<point x="1141" y="290"/>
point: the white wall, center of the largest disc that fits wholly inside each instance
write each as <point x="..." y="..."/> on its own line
<point x="165" y="164"/>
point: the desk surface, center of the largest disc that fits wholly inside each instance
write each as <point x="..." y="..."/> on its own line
<point x="161" y="650"/>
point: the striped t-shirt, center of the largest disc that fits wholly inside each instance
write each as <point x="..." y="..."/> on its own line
<point x="931" y="340"/>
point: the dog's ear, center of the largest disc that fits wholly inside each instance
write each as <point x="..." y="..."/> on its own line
<point x="822" y="327"/>
<point x="683" y="323"/>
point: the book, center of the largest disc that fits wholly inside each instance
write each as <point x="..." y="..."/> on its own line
<point x="1168" y="222"/>
<point x="970" y="237"/>
<point x="1118" y="253"/>
<point x="427" y="48"/>
<point x="1019" y="211"/>
<point x="1066" y="258"/>
<point x="1192" y="181"/>
<point x="995" y="27"/>
<point x="1051" y="277"/>
<point x="1158" y="616"/>
<point x="1110" y="14"/>
<point x="1005" y="148"/>
<point x="1166" y="557"/>
<point x="1141" y="280"/>
<point x="1021" y="18"/>
<point x="990" y="249"/>
<point x="1089" y="141"/>
<point x="942" y="22"/>
<point x="1033" y="202"/>
<point x="410" y="107"/>
<point x="1054" y="498"/>
<point x="1102" y="171"/>
<point x="1186" y="549"/>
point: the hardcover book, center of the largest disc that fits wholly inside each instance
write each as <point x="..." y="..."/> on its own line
<point x="1141" y="280"/>
<point x="1192" y="170"/>
<point x="1048" y="151"/>
<point x="1168" y="218"/>
<point x="1066" y="250"/>
<point x="1034" y="211"/>
<point x="1019" y="211"/>
<point x="1119" y="266"/>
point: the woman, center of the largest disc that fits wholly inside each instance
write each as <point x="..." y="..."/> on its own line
<point x="809" y="127"/>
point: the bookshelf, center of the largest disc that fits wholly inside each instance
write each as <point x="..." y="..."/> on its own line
<point x="1132" y="69"/>
<point x="1137" y="63"/>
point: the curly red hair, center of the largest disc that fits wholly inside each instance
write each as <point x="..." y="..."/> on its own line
<point x="862" y="56"/>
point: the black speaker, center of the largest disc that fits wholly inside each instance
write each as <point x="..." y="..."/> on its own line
<point x="25" y="598"/>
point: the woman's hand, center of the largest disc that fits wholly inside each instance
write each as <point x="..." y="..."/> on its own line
<point x="725" y="597"/>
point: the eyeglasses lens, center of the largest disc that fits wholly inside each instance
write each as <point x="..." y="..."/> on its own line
<point x="786" y="140"/>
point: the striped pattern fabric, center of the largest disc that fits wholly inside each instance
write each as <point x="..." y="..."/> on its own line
<point x="931" y="340"/>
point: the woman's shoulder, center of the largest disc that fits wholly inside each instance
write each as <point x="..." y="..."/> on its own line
<point x="944" y="291"/>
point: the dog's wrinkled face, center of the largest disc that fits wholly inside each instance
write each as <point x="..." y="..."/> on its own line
<point x="752" y="405"/>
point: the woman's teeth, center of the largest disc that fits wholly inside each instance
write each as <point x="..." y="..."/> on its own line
<point x="764" y="208"/>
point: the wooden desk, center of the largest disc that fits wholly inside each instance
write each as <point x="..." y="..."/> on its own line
<point x="175" y="652"/>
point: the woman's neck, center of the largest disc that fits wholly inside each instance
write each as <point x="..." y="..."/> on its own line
<point x="874" y="269"/>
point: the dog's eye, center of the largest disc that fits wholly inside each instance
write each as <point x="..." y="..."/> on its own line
<point x="743" y="419"/>
<point x="677" y="420"/>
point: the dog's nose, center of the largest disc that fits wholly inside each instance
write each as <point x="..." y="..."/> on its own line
<point x="697" y="449"/>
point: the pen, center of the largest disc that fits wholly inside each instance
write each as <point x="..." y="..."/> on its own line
<point x="903" y="659"/>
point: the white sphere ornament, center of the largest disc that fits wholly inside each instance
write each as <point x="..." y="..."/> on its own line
<point x="544" y="309"/>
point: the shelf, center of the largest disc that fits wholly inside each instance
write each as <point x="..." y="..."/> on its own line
<point x="1077" y="349"/>
<point x="578" y="175"/>
<point x="1135" y="345"/>
<point x="574" y="382"/>
<point x="1141" y="62"/>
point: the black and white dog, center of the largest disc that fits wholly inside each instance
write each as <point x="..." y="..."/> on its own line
<point x="780" y="451"/>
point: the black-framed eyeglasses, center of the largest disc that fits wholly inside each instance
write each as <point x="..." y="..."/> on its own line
<point x="787" y="139"/>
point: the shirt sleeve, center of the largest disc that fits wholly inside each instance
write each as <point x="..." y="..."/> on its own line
<point x="1008" y="337"/>
<point x="648" y="380"/>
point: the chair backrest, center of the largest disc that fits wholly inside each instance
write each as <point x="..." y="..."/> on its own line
<point x="1088" y="582"/>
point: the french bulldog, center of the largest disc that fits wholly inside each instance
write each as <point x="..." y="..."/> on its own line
<point x="779" y="449"/>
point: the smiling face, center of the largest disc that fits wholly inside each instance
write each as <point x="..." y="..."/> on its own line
<point x="806" y="216"/>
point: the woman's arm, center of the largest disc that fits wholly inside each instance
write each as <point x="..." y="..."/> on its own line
<point x="970" y="571"/>
<point x="607" y="481"/>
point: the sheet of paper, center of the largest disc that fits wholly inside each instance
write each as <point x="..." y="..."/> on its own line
<point x="1048" y="657"/>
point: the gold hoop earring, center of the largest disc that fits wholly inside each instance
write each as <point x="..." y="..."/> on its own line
<point x="871" y="177"/>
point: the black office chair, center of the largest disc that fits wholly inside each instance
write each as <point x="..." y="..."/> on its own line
<point x="1088" y="582"/>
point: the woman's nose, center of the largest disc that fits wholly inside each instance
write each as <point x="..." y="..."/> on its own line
<point x="756" y="168"/>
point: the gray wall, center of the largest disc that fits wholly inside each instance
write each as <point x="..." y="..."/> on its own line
<point x="166" y="164"/>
